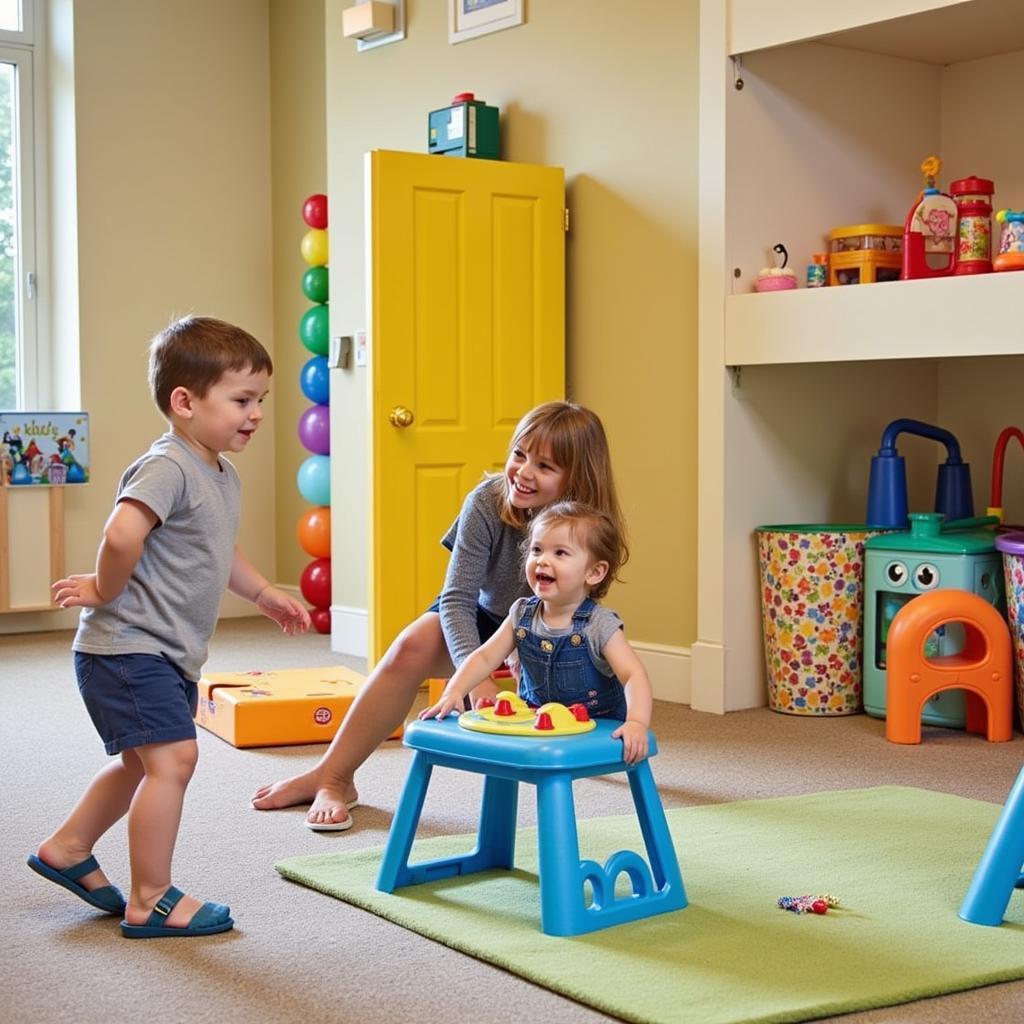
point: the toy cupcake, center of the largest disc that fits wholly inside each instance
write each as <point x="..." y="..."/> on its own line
<point x="776" y="279"/>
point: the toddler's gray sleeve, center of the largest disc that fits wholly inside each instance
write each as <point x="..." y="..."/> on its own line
<point x="604" y="624"/>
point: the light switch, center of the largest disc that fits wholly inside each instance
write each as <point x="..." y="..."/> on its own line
<point x="339" y="355"/>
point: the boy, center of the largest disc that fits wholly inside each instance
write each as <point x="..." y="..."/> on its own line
<point x="148" y="611"/>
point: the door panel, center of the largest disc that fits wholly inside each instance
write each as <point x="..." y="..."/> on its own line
<point x="467" y="330"/>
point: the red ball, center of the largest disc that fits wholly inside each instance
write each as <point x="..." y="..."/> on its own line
<point x="314" y="211"/>
<point x="315" y="583"/>
<point x="321" y="619"/>
<point x="819" y="907"/>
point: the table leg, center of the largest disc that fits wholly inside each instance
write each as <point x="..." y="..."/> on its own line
<point x="999" y="869"/>
<point x="562" y="910"/>
<point x="394" y="867"/>
<point x="653" y="825"/>
<point x="496" y="837"/>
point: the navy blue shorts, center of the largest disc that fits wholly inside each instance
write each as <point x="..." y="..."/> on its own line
<point x="136" y="699"/>
<point x="487" y="623"/>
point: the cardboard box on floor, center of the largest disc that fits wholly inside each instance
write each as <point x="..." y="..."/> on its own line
<point x="278" y="708"/>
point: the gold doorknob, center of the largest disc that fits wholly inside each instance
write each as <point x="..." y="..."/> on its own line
<point x="401" y="417"/>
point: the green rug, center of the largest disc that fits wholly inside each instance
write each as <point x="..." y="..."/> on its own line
<point x="899" y="859"/>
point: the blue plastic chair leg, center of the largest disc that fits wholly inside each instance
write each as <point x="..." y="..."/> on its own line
<point x="999" y="870"/>
<point x="657" y="838"/>
<point x="562" y="909"/>
<point x="394" y="869"/>
<point x="496" y="838"/>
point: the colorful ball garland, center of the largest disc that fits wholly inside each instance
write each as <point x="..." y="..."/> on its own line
<point x="314" y="475"/>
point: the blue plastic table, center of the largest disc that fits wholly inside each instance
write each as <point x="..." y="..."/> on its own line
<point x="550" y="764"/>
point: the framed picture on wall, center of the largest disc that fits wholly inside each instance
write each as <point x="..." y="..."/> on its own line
<point x="43" y="448"/>
<point x="470" y="18"/>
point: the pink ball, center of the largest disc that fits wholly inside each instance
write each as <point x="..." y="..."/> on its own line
<point x="314" y="211"/>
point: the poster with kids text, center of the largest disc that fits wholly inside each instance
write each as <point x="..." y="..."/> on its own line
<point x="42" y="449"/>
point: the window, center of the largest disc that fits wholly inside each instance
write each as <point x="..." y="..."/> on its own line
<point x="20" y="384"/>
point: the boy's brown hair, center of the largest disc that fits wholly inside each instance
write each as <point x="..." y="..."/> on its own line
<point x="576" y="440"/>
<point x="591" y="529"/>
<point x="195" y="352"/>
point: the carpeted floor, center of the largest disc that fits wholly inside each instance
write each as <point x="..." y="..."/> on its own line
<point x="297" y="957"/>
<point x="736" y="860"/>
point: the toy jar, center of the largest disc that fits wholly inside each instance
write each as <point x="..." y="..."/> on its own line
<point x="1011" y="242"/>
<point x="973" y="198"/>
<point x="865" y="253"/>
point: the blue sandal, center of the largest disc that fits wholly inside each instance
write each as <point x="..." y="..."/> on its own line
<point x="209" y="919"/>
<point x="108" y="898"/>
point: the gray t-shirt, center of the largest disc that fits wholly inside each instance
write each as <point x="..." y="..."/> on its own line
<point x="601" y="627"/>
<point x="486" y="568"/>
<point x="169" y="605"/>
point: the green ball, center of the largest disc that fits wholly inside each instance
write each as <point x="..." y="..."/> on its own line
<point x="314" y="330"/>
<point x="314" y="284"/>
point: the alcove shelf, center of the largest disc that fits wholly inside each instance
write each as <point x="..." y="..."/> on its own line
<point x="839" y="105"/>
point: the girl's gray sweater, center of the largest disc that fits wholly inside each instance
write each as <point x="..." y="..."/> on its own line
<point x="486" y="568"/>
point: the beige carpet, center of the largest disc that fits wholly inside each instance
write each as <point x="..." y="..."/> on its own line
<point x="296" y="957"/>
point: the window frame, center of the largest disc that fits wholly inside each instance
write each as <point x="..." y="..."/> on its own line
<point x="32" y="389"/>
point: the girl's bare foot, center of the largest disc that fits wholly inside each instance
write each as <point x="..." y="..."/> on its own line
<point x="299" y="789"/>
<point x="329" y="812"/>
<point x="58" y="855"/>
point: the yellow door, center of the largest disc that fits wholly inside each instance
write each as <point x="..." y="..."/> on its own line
<point x="467" y="333"/>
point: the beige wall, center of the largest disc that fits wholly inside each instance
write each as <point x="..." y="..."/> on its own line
<point x="578" y="86"/>
<point x="172" y="145"/>
<point x="299" y="166"/>
<point x="182" y="204"/>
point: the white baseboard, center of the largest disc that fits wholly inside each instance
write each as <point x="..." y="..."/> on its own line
<point x="668" y="669"/>
<point x="349" y="631"/>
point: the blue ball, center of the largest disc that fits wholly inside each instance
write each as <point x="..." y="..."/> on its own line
<point x="314" y="480"/>
<point x="314" y="380"/>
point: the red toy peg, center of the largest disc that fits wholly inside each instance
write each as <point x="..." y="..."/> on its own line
<point x="543" y="722"/>
<point x="579" y="712"/>
<point x="503" y="709"/>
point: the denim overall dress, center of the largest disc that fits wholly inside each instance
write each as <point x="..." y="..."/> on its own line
<point x="561" y="669"/>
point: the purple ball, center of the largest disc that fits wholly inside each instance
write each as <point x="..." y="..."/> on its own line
<point x="315" y="429"/>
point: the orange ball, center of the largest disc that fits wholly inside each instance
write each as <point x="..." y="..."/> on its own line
<point x="314" y="531"/>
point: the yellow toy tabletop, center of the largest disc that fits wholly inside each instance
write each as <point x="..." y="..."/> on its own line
<point x="510" y="716"/>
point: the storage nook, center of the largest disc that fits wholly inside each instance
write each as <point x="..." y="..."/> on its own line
<point x="812" y="116"/>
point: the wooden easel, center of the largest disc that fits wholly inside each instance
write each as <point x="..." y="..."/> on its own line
<point x="56" y="533"/>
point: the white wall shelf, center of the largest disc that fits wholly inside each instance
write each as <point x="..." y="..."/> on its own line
<point x="933" y="31"/>
<point x="954" y="316"/>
